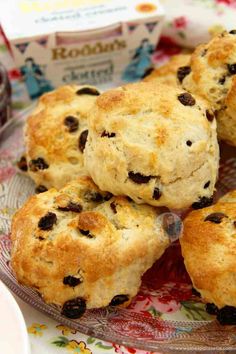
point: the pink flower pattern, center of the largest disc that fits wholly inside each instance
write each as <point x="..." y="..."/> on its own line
<point x="165" y="49"/>
<point x="180" y="22"/>
<point x="166" y="299"/>
<point x="228" y="3"/>
<point x="120" y="349"/>
<point x="6" y="173"/>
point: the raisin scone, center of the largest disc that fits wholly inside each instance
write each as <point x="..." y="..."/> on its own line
<point x="212" y="76"/>
<point x="173" y="72"/>
<point x="55" y="135"/>
<point x="209" y="249"/>
<point x="155" y="143"/>
<point x="82" y="246"/>
<point x="229" y="197"/>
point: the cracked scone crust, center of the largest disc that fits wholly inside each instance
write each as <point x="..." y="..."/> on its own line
<point x="168" y="73"/>
<point x="209" y="249"/>
<point x="55" y="135"/>
<point x="153" y="143"/>
<point x="106" y="242"/>
<point x="213" y="69"/>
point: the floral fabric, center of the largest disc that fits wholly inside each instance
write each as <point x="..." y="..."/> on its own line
<point x="190" y="22"/>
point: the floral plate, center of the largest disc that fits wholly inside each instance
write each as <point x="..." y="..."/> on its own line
<point x="165" y="315"/>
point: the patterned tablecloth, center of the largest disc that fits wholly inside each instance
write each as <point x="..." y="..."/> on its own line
<point x="188" y="22"/>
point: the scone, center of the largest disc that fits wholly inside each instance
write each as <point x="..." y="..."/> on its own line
<point x="83" y="248"/>
<point x="229" y="197"/>
<point x="209" y="249"/>
<point x="155" y="143"/>
<point x="173" y="72"/>
<point x="55" y="135"/>
<point x="213" y="69"/>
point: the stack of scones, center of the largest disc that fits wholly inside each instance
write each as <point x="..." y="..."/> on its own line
<point x="105" y="163"/>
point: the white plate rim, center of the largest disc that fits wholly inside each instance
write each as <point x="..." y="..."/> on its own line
<point x="21" y="325"/>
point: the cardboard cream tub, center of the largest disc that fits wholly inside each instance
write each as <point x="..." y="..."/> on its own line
<point x="101" y="42"/>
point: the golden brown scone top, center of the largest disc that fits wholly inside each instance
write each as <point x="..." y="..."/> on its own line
<point x="168" y="73"/>
<point x="230" y="197"/>
<point x="80" y="234"/>
<point x="213" y="69"/>
<point x="55" y="135"/>
<point x="209" y="249"/>
<point x="210" y="68"/>
<point x="155" y="143"/>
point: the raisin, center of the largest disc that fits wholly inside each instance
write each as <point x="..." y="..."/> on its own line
<point x="139" y="178"/>
<point x="74" y="308"/>
<point x="108" y="196"/>
<point x="82" y="140"/>
<point x="77" y="208"/>
<point x="234" y="223"/>
<point x="41" y="238"/>
<point x="195" y="292"/>
<point x="232" y="31"/>
<point x="216" y="218"/>
<point x="231" y="68"/>
<point x="96" y="197"/>
<point x="47" y="221"/>
<point x="186" y="99"/>
<point x="88" y="91"/>
<point x="204" y="52"/>
<point x="182" y="72"/>
<point x="40" y="189"/>
<point x="86" y="233"/>
<point x="147" y="72"/>
<point x="227" y="315"/>
<point x="202" y="203"/>
<point x="38" y="164"/>
<point x="109" y="135"/>
<point x="93" y="196"/>
<point x="156" y="194"/>
<point x="113" y="207"/>
<point x="221" y="80"/>
<point x="212" y="309"/>
<point x="118" y="300"/>
<point x="71" y="281"/>
<point x="210" y="116"/>
<point x="206" y="185"/>
<point x="189" y="143"/>
<point x="72" y="123"/>
<point x="22" y="164"/>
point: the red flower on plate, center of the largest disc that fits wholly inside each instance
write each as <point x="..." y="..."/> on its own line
<point x="158" y="302"/>
<point x="143" y="327"/>
<point x="180" y="22"/>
